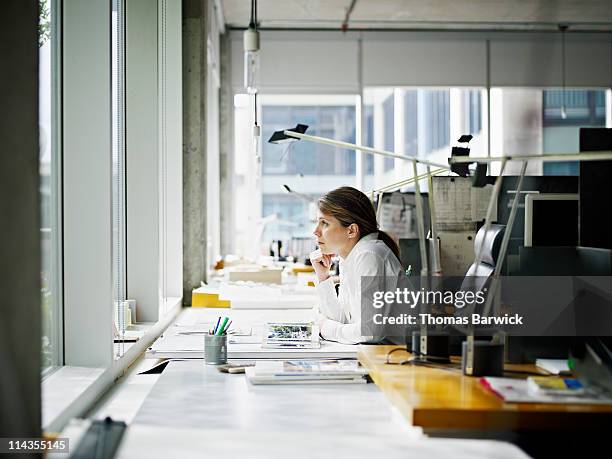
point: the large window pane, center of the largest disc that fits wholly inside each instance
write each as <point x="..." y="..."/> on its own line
<point x="49" y="185"/>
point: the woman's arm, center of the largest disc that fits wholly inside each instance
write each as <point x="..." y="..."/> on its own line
<point x="326" y="289"/>
<point x="329" y="304"/>
<point x="370" y="277"/>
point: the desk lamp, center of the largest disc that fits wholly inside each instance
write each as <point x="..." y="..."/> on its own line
<point x="298" y="133"/>
<point x="559" y="157"/>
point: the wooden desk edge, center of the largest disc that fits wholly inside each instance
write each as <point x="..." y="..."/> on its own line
<point x="495" y="414"/>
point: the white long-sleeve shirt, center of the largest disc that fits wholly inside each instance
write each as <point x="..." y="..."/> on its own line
<point x="369" y="257"/>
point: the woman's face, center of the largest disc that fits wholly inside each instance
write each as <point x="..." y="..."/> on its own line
<point x="331" y="236"/>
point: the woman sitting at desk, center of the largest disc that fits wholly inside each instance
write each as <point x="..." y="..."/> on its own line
<point x="346" y="225"/>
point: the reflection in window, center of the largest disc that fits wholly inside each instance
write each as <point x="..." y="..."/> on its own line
<point x="529" y="121"/>
<point x="583" y="108"/>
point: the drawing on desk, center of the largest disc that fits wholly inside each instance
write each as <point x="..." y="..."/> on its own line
<point x="302" y="335"/>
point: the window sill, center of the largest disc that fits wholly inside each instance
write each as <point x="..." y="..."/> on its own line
<point x="64" y="387"/>
<point x="71" y="392"/>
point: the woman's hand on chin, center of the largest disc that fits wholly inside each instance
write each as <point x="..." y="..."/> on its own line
<point x="321" y="263"/>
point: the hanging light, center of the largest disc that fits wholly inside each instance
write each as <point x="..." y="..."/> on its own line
<point x="563" y="28"/>
<point x="256" y="134"/>
<point x="251" y="52"/>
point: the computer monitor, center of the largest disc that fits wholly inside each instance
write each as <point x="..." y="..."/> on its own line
<point x="551" y="220"/>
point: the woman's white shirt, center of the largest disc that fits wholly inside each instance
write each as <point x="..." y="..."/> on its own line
<point x="369" y="257"/>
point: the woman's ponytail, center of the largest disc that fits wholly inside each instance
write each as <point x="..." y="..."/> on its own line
<point x="388" y="240"/>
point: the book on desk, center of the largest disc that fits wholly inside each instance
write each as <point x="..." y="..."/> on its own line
<point x="307" y="372"/>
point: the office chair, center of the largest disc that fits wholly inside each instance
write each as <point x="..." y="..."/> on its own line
<point x="490" y="250"/>
<point x="478" y="276"/>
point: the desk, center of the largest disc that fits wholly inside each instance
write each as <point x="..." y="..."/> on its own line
<point x="185" y="338"/>
<point x="195" y="411"/>
<point x="440" y="399"/>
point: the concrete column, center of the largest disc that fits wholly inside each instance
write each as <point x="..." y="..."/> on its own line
<point x="226" y="148"/>
<point x="20" y="311"/>
<point x="194" y="144"/>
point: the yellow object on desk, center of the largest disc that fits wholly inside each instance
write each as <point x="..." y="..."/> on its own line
<point x="204" y="297"/>
<point x="302" y="269"/>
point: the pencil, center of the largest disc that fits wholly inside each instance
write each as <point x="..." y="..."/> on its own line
<point x="226" y="328"/>
<point x="215" y="330"/>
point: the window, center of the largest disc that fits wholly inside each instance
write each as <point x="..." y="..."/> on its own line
<point x="436" y="109"/>
<point x="583" y="108"/>
<point x="423" y="123"/>
<point x="49" y="186"/>
<point x="411" y="122"/>
<point x="265" y="211"/>
<point x="307" y="158"/>
<point x="389" y="128"/>
<point x="473" y="113"/>
<point x="308" y="168"/>
<point x="368" y="138"/>
<point x="530" y="121"/>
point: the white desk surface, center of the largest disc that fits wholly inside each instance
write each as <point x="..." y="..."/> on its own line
<point x="185" y="337"/>
<point x="247" y="295"/>
<point x="195" y="411"/>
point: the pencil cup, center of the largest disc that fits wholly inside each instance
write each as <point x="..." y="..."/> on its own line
<point x="215" y="349"/>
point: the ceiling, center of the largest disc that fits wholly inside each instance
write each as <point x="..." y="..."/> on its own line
<point x="593" y="15"/>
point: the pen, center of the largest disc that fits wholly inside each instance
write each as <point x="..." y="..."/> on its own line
<point x="215" y="330"/>
<point x="225" y="319"/>
<point x="226" y="328"/>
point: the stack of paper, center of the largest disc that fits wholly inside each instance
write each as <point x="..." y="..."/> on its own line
<point x="518" y="390"/>
<point x="307" y="372"/>
<point x="554" y="366"/>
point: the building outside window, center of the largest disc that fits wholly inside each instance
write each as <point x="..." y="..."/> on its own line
<point x="308" y="168"/>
